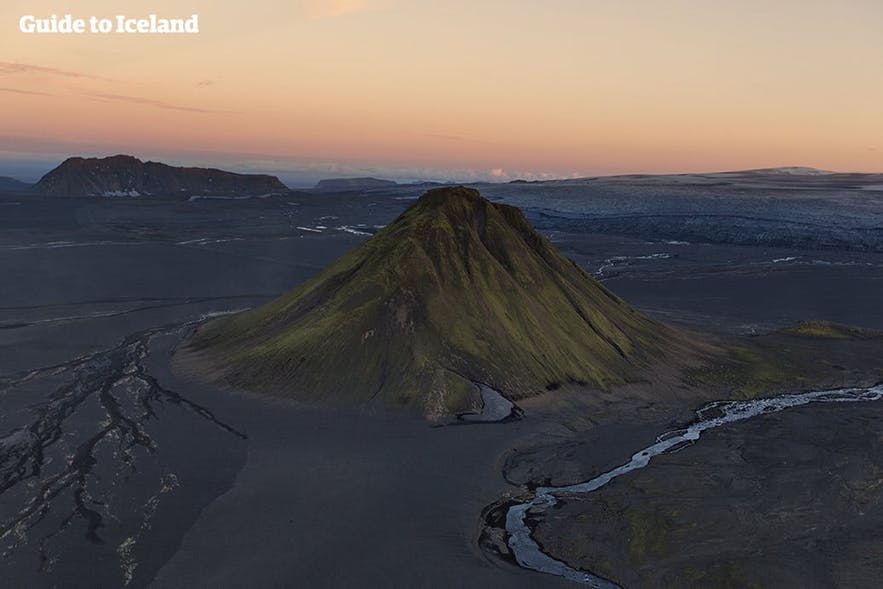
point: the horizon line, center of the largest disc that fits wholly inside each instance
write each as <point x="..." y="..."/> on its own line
<point x="400" y="175"/>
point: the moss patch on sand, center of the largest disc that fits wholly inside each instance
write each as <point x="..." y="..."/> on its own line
<point x="745" y="372"/>
<point x="805" y="355"/>
<point x="827" y="329"/>
<point x="648" y="534"/>
<point x="723" y="575"/>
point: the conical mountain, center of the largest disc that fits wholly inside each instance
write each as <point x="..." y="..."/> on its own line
<point x="457" y="291"/>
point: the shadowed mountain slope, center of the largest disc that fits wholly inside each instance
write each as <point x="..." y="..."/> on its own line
<point x="8" y="184"/>
<point x="456" y="291"/>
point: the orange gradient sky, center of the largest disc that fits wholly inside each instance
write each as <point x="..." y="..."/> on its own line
<point x="455" y="90"/>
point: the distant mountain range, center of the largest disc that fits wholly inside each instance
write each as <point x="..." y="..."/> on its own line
<point x="124" y="175"/>
<point x="794" y="177"/>
<point x="352" y="184"/>
<point x="8" y="184"/>
<point x="127" y="176"/>
<point x="788" y="170"/>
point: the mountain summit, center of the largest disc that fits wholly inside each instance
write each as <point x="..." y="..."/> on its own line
<point x="457" y="291"/>
<point x="124" y="175"/>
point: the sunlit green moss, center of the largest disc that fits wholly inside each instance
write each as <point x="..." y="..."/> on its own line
<point x="826" y="329"/>
<point x="457" y="286"/>
<point x="745" y="373"/>
<point x="723" y="575"/>
<point x="648" y="534"/>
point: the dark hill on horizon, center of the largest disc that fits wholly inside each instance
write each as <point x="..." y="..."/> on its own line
<point x="8" y="184"/>
<point x="352" y="184"/>
<point x="125" y="175"/>
<point x="457" y="291"/>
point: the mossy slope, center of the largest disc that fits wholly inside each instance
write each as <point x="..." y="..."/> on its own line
<point x="456" y="290"/>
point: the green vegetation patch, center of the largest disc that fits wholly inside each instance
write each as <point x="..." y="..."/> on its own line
<point x="722" y="575"/>
<point x="457" y="290"/>
<point x="827" y="329"/>
<point x="648" y="534"/>
<point x="745" y="373"/>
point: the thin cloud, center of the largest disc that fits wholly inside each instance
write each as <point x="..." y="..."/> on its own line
<point x="151" y="102"/>
<point x="121" y="98"/>
<point x="463" y="138"/>
<point x="8" y="68"/>
<point x="28" y="92"/>
<point x="446" y="137"/>
<point x="334" y="8"/>
<point x="205" y="83"/>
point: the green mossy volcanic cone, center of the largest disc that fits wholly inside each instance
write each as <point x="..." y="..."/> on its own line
<point x="457" y="290"/>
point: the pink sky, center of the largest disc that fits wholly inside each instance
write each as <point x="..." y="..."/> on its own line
<point x="456" y="90"/>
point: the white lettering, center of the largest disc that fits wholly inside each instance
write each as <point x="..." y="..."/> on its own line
<point x="26" y="24"/>
<point x="67" y="24"/>
<point x="191" y="25"/>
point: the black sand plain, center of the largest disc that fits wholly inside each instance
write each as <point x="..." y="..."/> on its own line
<point x="120" y="471"/>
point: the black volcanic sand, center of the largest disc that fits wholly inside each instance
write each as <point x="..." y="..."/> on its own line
<point x="86" y="283"/>
<point x="78" y="274"/>
<point x="335" y="499"/>
<point x="89" y="282"/>
<point x="312" y="498"/>
<point x="791" y="499"/>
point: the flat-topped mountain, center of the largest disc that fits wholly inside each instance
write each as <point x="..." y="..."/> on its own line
<point x="124" y="175"/>
<point x="352" y="184"/>
<point x="457" y="291"/>
<point x="797" y="177"/>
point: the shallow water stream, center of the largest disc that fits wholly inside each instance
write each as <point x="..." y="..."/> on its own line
<point x="528" y="553"/>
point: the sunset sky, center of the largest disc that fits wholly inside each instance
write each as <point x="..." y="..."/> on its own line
<point x="454" y="90"/>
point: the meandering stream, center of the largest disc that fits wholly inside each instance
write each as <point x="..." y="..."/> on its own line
<point x="528" y="553"/>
